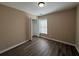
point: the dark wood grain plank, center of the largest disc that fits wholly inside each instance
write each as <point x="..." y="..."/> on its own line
<point x="42" y="47"/>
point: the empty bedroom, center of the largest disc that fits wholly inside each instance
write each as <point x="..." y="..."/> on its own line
<point x="39" y="29"/>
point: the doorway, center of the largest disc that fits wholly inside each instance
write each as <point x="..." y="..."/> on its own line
<point x="39" y="27"/>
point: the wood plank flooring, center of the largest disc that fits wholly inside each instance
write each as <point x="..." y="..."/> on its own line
<point x="42" y="47"/>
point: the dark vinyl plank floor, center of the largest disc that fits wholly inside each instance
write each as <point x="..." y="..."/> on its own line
<point x="42" y="47"/>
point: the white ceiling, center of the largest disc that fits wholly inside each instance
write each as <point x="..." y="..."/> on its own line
<point x="32" y="7"/>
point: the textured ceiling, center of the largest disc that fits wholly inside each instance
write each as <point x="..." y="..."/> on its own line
<point x="32" y="7"/>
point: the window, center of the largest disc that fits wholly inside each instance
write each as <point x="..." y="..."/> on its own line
<point x="43" y="26"/>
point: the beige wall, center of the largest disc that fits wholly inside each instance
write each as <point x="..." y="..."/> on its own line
<point x="61" y="25"/>
<point x="14" y="27"/>
<point x="77" y="29"/>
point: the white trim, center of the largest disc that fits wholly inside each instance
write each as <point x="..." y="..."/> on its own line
<point x="59" y="41"/>
<point x="62" y="42"/>
<point x="77" y="48"/>
<point x="13" y="47"/>
<point x="43" y="37"/>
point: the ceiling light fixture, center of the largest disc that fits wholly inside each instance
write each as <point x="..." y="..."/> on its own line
<point x="41" y="4"/>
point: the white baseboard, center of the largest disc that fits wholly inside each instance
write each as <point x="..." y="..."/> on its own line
<point x="77" y="48"/>
<point x="43" y="37"/>
<point x="12" y="47"/>
<point x="63" y="42"/>
<point x="59" y="41"/>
